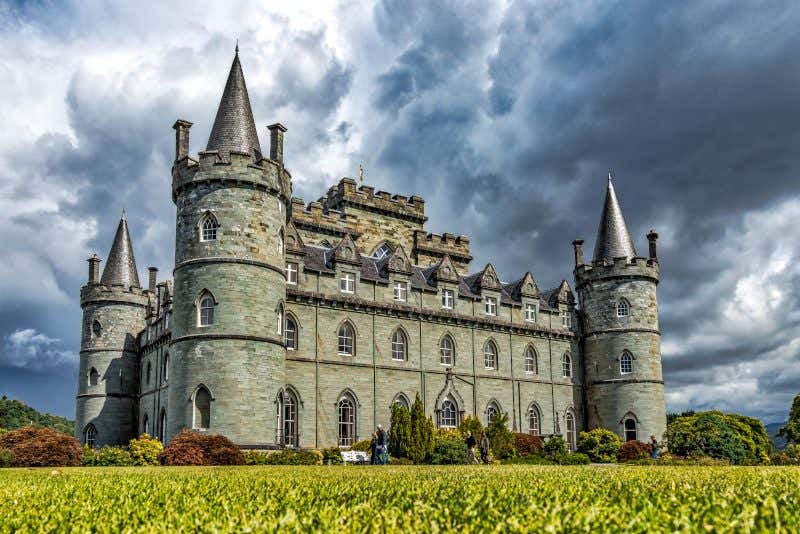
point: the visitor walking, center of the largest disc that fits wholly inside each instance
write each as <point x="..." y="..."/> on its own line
<point x="373" y="444"/>
<point x="471" y="442"/>
<point x="383" y="446"/>
<point x="484" y="448"/>
<point x="654" y="445"/>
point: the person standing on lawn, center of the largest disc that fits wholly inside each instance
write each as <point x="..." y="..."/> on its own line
<point x="383" y="445"/>
<point x="471" y="442"/>
<point x="373" y="444"/>
<point x="484" y="447"/>
<point x="654" y="445"/>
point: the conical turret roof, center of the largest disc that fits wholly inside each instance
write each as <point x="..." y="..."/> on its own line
<point x="234" y="127"/>
<point x="121" y="266"/>
<point x="613" y="238"/>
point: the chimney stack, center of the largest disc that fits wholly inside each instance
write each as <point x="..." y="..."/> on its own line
<point x="181" y="128"/>
<point x="151" y="285"/>
<point x="652" y="237"/>
<point x="578" y="246"/>
<point x="94" y="269"/>
<point x="276" y="142"/>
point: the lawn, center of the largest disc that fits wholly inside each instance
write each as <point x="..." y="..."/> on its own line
<point x="458" y="498"/>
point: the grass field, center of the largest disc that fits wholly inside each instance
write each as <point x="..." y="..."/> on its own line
<point x="458" y="498"/>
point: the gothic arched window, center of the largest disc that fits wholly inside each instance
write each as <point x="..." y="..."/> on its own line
<point x="447" y="351"/>
<point x="534" y="421"/>
<point x="382" y="251"/>
<point x="146" y="425"/>
<point x="209" y="227"/>
<point x="287" y="418"/>
<point x="205" y="315"/>
<point x="490" y="355"/>
<point x="492" y="411"/>
<point x="202" y="409"/>
<point x="165" y="368"/>
<point x="448" y="414"/>
<point x="623" y="308"/>
<point x="566" y="366"/>
<point x="162" y="427"/>
<point x="290" y="333"/>
<point x="399" y="346"/>
<point x="625" y="363"/>
<point x="90" y="435"/>
<point x="347" y="336"/>
<point x="94" y="377"/>
<point x="347" y="421"/>
<point x="572" y="438"/>
<point x="402" y="400"/>
<point x="630" y="429"/>
<point x="531" y="363"/>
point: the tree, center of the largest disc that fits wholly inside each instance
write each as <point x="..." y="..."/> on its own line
<point x="421" y="440"/>
<point x="600" y="445"/>
<point x="400" y="431"/>
<point x="736" y="438"/>
<point x="15" y="414"/>
<point x="792" y="429"/>
<point x="501" y="439"/>
<point x="471" y="424"/>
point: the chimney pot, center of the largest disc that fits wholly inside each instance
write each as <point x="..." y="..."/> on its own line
<point x="578" y="246"/>
<point x="152" y="279"/>
<point x="181" y="128"/>
<point x="276" y="141"/>
<point x="94" y="269"/>
<point x="652" y="237"/>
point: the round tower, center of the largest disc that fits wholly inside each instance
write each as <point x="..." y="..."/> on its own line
<point x="620" y="334"/>
<point x="114" y="313"/>
<point x="227" y="355"/>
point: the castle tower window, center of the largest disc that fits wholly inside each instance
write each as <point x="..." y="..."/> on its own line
<point x="90" y="436"/>
<point x="530" y="313"/>
<point x="206" y="315"/>
<point x="625" y="363"/>
<point x="382" y="251"/>
<point x="347" y="421"/>
<point x="94" y="377"/>
<point x="346" y="340"/>
<point x="630" y="429"/>
<point x="290" y="334"/>
<point x="531" y="363"/>
<point x="572" y="439"/>
<point x="446" y="351"/>
<point x="399" y="346"/>
<point x="165" y="368"/>
<point x="448" y="298"/>
<point x="623" y="308"/>
<point x="534" y="426"/>
<point x="347" y="283"/>
<point x="400" y="291"/>
<point x="97" y="329"/>
<point x="490" y="355"/>
<point x="202" y="409"/>
<point x="566" y="366"/>
<point x="448" y="415"/>
<point x="490" y="306"/>
<point x="291" y="273"/>
<point x="146" y="425"/>
<point x="208" y="230"/>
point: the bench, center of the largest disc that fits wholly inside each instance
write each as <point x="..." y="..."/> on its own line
<point x="355" y="457"/>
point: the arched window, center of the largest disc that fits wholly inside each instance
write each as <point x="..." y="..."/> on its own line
<point x="94" y="377"/>
<point x="448" y="414"/>
<point x="531" y="363"/>
<point x="625" y="363"/>
<point x="399" y="346"/>
<point x="162" y="427"/>
<point x="382" y="251"/>
<point x="280" y="242"/>
<point x="202" y="409"/>
<point x="290" y="333"/>
<point x="447" y="351"/>
<point x="623" y="308"/>
<point x="402" y="400"/>
<point x="279" y="321"/>
<point x="566" y="365"/>
<point x="287" y="419"/>
<point x="492" y="411"/>
<point x="534" y="421"/>
<point x="630" y="429"/>
<point x="149" y="372"/>
<point x="206" y="310"/>
<point x="208" y="231"/>
<point x="347" y="421"/>
<point x="346" y="339"/>
<point x="490" y="355"/>
<point x="90" y="435"/>
<point x="97" y="329"/>
<point x="572" y="438"/>
<point x="165" y="368"/>
<point x="145" y="424"/>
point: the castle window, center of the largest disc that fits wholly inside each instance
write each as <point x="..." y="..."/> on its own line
<point x="382" y="251"/>
<point x="279" y="321"/>
<point x="347" y="421"/>
<point x="287" y="419"/>
<point x="146" y="425"/>
<point x="492" y="411"/>
<point x="94" y="377"/>
<point x="572" y="438"/>
<point x="448" y="415"/>
<point x="490" y="306"/>
<point x="97" y="329"/>
<point x="280" y="242"/>
<point x="399" y="346"/>
<point x="448" y="298"/>
<point x="530" y="313"/>
<point x="402" y="401"/>
<point x="290" y="334"/>
<point x="630" y="429"/>
<point x="531" y="365"/>
<point x="400" y="291"/>
<point x="90" y="436"/>
<point x="202" y="409"/>
<point x="209" y="228"/>
<point x="347" y="283"/>
<point x="625" y="363"/>
<point x="490" y="355"/>
<point x="346" y="340"/>
<point x="291" y="273"/>
<point x="623" y="308"/>
<point x="534" y="420"/>
<point x="566" y="319"/>
<point x="162" y="427"/>
<point x="165" y="368"/>
<point x="566" y="366"/>
<point x="206" y="317"/>
<point x="446" y="351"/>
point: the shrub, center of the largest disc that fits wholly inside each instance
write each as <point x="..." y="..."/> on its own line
<point x="331" y="456"/>
<point x="6" y="458"/>
<point x="501" y="439"/>
<point x="292" y="457"/>
<point x="145" y="450"/>
<point x="42" y="447"/>
<point x="107" y="457"/>
<point x="471" y="424"/>
<point x="788" y="456"/>
<point x="364" y="445"/>
<point x="555" y="448"/>
<point x="420" y="445"/>
<point x="195" y="448"/>
<point x="3" y="431"/>
<point x="575" y="458"/>
<point x="448" y="449"/>
<point x="634" y="450"/>
<point x="531" y="459"/>
<point x="400" y="431"/>
<point x="526" y="445"/>
<point x="600" y="445"/>
<point x="732" y="437"/>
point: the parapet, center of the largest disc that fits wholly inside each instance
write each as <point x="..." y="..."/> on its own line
<point x="345" y="193"/>
<point x="315" y="215"/>
<point x="435" y="246"/>
<point x="115" y="293"/>
<point x="618" y="268"/>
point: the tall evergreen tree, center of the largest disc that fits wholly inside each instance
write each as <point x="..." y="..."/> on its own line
<point x="792" y="428"/>
<point x="421" y="442"/>
<point x="400" y="431"/>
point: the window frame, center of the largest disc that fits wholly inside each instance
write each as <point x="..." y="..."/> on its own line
<point x="625" y="362"/>
<point x="530" y="312"/>
<point x="400" y="291"/>
<point x="209" y="228"/>
<point x="348" y="328"/>
<point x="444" y="419"/>
<point x="292" y="271"/>
<point x="490" y="306"/>
<point x="346" y="421"/>
<point x="530" y="357"/>
<point x="571" y="434"/>
<point x="198" y="411"/>
<point x="347" y="283"/>
<point x="623" y="308"/>
<point x="399" y="346"/>
<point x="290" y="334"/>
<point x="451" y="351"/>
<point x="448" y="297"/>
<point x="534" y="414"/>
<point x="490" y="349"/>
<point x="90" y="435"/>
<point x="566" y="366"/>
<point x="206" y="308"/>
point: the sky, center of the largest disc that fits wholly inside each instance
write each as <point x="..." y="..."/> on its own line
<point x="505" y="116"/>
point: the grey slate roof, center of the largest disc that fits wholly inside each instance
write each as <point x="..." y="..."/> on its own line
<point x="613" y="239"/>
<point x="234" y="127"/>
<point x="121" y="266"/>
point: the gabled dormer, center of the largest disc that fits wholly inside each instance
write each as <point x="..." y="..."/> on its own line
<point x="294" y="243"/>
<point x="346" y="252"/>
<point x="445" y="271"/>
<point x="398" y="262"/>
<point x="528" y="286"/>
<point x="488" y="279"/>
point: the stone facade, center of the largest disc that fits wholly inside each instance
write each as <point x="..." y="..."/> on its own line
<point x="293" y="324"/>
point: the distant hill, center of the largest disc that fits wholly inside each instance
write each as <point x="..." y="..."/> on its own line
<point x="15" y="414"/>
<point x="772" y="431"/>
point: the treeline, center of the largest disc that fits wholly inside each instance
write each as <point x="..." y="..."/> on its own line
<point x="15" y="414"/>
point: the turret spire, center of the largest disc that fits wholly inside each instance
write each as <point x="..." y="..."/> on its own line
<point x="234" y="127"/>
<point x="121" y="266"/>
<point x="613" y="238"/>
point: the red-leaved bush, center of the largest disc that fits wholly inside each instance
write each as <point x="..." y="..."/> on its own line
<point x="42" y="447"/>
<point x="527" y="444"/>
<point x="634" y="450"/>
<point x="195" y="448"/>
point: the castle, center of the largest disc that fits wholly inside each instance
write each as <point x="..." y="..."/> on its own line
<point x="300" y="325"/>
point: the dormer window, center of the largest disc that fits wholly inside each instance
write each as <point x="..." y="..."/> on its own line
<point x="530" y="313"/>
<point x="448" y="299"/>
<point x="347" y="283"/>
<point x="400" y="291"/>
<point x="490" y="306"/>
<point x="291" y="273"/>
<point x="382" y="251"/>
<point x="566" y="319"/>
<point x="208" y="230"/>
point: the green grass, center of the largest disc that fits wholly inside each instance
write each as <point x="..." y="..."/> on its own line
<point x="458" y="498"/>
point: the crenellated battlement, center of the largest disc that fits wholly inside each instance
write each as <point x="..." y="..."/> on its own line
<point x="345" y="193"/>
<point x="430" y="248"/>
<point x="618" y="268"/>
<point x="116" y="293"/>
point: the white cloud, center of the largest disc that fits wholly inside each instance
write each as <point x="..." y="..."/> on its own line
<point x="30" y="349"/>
